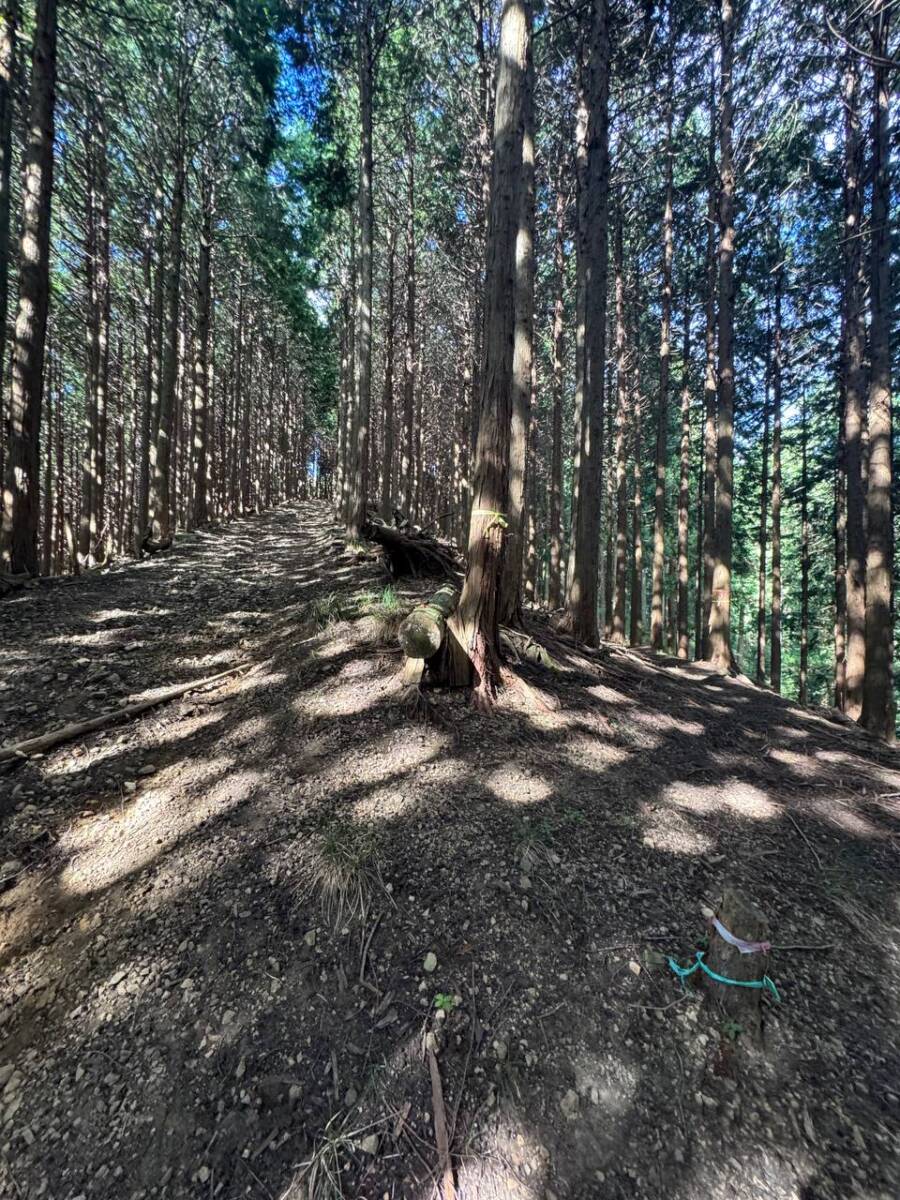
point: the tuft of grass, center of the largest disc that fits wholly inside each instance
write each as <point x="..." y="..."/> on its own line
<point x="384" y="612"/>
<point x="345" y="872"/>
<point x="534" y="845"/>
<point x="325" y="611"/>
<point x="320" y="1175"/>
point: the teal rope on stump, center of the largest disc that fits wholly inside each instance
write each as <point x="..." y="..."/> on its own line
<point x="684" y="972"/>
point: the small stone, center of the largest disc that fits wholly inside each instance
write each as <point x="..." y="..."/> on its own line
<point x="569" y="1104"/>
<point x="146" y="769"/>
<point x="310" y="938"/>
<point x="524" y="883"/>
<point x="351" y="1096"/>
<point x="634" y="967"/>
<point x="430" y="963"/>
<point x="129" y="787"/>
<point x="187" y="985"/>
<point x="203" y="1174"/>
<point x="369" y="1145"/>
<point x="9" y="869"/>
<point x="501" y="1050"/>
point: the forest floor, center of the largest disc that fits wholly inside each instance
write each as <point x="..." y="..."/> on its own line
<point x="225" y="924"/>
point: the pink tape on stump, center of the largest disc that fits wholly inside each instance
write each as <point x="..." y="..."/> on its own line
<point x="739" y="943"/>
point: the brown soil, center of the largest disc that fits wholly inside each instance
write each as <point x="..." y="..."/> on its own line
<point x="216" y="918"/>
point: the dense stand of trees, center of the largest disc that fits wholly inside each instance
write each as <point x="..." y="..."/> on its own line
<point x="165" y="367"/>
<point x="601" y="290"/>
<point x="701" y="454"/>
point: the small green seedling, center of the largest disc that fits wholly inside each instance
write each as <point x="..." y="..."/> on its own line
<point x="732" y="1030"/>
<point x="445" y="1002"/>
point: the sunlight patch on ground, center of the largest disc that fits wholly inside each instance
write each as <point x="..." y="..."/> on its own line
<point x="601" y="692"/>
<point x="102" y="751"/>
<point x="661" y="722"/>
<point x="845" y="819"/>
<point x="344" y="700"/>
<point x="516" y="786"/>
<point x="731" y="795"/>
<point x="668" y="830"/>
<point x="106" y="848"/>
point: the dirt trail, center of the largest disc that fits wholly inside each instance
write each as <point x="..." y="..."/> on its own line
<point x="219" y="919"/>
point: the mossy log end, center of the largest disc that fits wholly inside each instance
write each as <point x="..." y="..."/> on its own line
<point x="744" y="920"/>
<point x="421" y="634"/>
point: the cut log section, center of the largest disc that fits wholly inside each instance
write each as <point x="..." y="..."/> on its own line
<point x="423" y="631"/>
<point x="747" y="924"/>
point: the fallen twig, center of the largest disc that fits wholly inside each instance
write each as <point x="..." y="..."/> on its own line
<point x="812" y="848"/>
<point x="67" y="733"/>
<point x="440" y="1128"/>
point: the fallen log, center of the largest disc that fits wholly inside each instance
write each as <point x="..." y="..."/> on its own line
<point x="67" y="733"/>
<point x="410" y="551"/>
<point x="423" y="631"/>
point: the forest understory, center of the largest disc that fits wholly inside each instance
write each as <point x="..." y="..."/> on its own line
<point x="242" y="932"/>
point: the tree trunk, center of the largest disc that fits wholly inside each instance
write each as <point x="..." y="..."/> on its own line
<point x="9" y="28"/>
<point x="720" y="620"/>
<point x="387" y="464"/>
<point x="476" y="620"/>
<point x="592" y="237"/>
<point x="763" y="515"/>
<point x="878" y="715"/>
<point x="555" y="593"/>
<point x="775" y="665"/>
<point x="18" y="531"/>
<point x="523" y="357"/>
<point x="684" y="489"/>
<point x="160" y="516"/>
<point x="359" y="487"/>
<point x="617" y="631"/>
<point x="409" y="355"/>
<point x="803" y="688"/>
<point x="854" y="348"/>
<point x="710" y="432"/>
<point x="635" y="631"/>
<point x="665" y="358"/>
<point x="201" y="353"/>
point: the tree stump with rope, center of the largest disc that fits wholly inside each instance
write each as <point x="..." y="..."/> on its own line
<point x="743" y="957"/>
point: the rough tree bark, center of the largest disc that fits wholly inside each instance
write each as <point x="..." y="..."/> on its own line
<point x="201" y="352"/>
<point x="665" y="358"/>
<point x="555" y="592"/>
<point x="592" y="238"/>
<point x="720" y="619"/>
<point x="523" y="358"/>
<point x="684" y="488"/>
<point x="622" y="395"/>
<point x="878" y="715"/>
<point x="854" y="390"/>
<point x="387" y="466"/>
<point x="21" y="490"/>
<point x="160" y="531"/>
<point x="775" y="664"/>
<point x="359" y="486"/>
<point x="763" y="520"/>
<point x="475" y="624"/>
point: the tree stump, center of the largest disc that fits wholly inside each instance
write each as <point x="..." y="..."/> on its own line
<point x="739" y="1004"/>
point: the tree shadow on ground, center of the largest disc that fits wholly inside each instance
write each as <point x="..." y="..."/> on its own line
<point x="185" y="1021"/>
